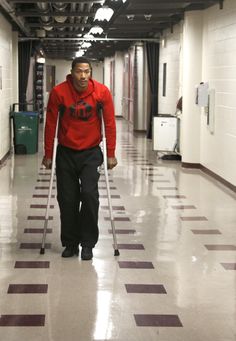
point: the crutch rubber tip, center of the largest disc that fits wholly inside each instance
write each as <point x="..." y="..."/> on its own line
<point x="42" y="251"/>
<point x="117" y="253"/>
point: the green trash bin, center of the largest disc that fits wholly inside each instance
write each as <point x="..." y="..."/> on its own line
<point x="26" y="126"/>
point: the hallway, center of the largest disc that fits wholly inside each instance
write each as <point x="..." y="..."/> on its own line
<point x="175" y="277"/>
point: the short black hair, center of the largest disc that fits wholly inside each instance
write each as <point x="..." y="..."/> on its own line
<point x="79" y="60"/>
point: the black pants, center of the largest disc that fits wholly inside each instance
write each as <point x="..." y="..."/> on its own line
<point x="77" y="194"/>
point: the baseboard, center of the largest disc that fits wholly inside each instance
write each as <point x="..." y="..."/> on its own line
<point x="209" y="172"/>
<point x="4" y="158"/>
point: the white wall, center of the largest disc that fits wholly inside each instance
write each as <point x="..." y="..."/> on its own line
<point x="214" y="150"/>
<point x="219" y="69"/>
<point x="9" y="91"/>
<point x="170" y="53"/>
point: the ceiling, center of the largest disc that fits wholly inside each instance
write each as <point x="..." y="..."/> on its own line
<point x="60" y="27"/>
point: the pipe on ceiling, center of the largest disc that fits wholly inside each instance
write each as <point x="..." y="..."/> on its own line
<point x="11" y="12"/>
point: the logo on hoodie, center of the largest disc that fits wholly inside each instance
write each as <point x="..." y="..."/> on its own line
<point x="81" y="111"/>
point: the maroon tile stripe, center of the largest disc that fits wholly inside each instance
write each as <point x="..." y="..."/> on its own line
<point x="130" y="246"/>
<point x="167" y="188"/>
<point x="123" y="231"/>
<point x="183" y="207"/>
<point x="36" y="230"/>
<point x="160" y="181"/>
<point x="212" y="231"/>
<point x="43" y="187"/>
<point x="44" y="180"/>
<point x="145" y="288"/>
<point x="34" y="246"/>
<point x="40" y="206"/>
<point x="153" y="174"/>
<point x="115" y="208"/>
<point x="229" y="266"/>
<point x="149" y="320"/>
<point x="149" y="168"/>
<point x="44" y="173"/>
<point x="174" y="196"/>
<point x="31" y="264"/>
<point x="135" y="265"/>
<point x="196" y="218"/>
<point x="22" y="320"/>
<point x="36" y="217"/>
<point x="113" y="196"/>
<point x="220" y="247"/>
<point x="27" y="289"/>
<point x="111" y="187"/>
<point x="105" y="180"/>
<point x="42" y="196"/>
<point x="117" y="219"/>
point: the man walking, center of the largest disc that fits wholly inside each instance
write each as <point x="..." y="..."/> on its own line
<point x="78" y="154"/>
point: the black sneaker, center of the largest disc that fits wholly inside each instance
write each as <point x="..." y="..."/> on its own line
<point x="70" y="251"/>
<point x="87" y="253"/>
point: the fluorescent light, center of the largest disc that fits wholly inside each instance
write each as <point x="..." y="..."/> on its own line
<point x="85" y="45"/>
<point x="104" y="13"/>
<point x="96" y="30"/>
<point x="80" y="53"/>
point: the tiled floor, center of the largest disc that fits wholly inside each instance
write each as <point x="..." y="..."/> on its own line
<point x="175" y="278"/>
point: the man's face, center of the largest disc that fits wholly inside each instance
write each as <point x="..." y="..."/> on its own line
<point x="81" y="74"/>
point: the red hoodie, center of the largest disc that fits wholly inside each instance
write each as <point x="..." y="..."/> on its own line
<point x="79" y="125"/>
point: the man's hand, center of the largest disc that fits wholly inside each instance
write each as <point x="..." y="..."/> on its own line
<point x="111" y="162"/>
<point x="47" y="163"/>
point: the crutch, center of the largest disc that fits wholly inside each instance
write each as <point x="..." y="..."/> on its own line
<point x="100" y="112"/>
<point x="55" y="142"/>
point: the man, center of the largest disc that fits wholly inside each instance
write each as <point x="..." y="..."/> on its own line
<point x="78" y="154"/>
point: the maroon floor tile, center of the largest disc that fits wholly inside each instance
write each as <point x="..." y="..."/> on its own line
<point x="131" y="246"/>
<point x="183" y="207"/>
<point x="157" y="320"/>
<point x="123" y="231"/>
<point x="148" y="168"/>
<point x="196" y="218"/>
<point x="22" y="320"/>
<point x="36" y="217"/>
<point x="220" y="247"/>
<point x="117" y="219"/>
<point x="43" y="187"/>
<point x="145" y="288"/>
<point x="212" y="231"/>
<point x="101" y="180"/>
<point x="160" y="181"/>
<point x="34" y="246"/>
<point x="135" y="265"/>
<point x="229" y="266"/>
<point x="113" y="196"/>
<point x="167" y="188"/>
<point x="115" y="208"/>
<point x="42" y="196"/>
<point x="104" y="187"/>
<point x="31" y="264"/>
<point x="174" y="196"/>
<point x="40" y="206"/>
<point x="44" y="180"/>
<point x="154" y="174"/>
<point x="27" y="289"/>
<point x="36" y="230"/>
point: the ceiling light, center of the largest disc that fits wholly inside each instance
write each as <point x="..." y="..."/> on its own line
<point x="104" y="13"/>
<point x="96" y="30"/>
<point x="130" y="17"/>
<point x="80" y="53"/>
<point x="124" y="1"/>
<point x="85" y="45"/>
<point x="147" y="16"/>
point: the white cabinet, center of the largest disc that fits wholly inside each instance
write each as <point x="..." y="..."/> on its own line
<point x="164" y="134"/>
